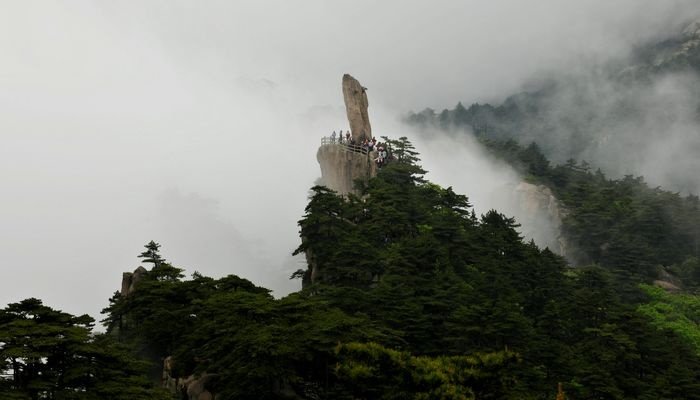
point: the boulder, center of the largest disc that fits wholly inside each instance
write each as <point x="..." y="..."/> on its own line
<point x="196" y="387"/>
<point x="193" y="387"/>
<point x="356" y="104"/>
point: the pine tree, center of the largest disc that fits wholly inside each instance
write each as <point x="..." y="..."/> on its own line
<point x="151" y="254"/>
<point x="50" y="354"/>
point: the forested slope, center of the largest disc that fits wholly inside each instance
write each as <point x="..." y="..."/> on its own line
<point x="621" y="224"/>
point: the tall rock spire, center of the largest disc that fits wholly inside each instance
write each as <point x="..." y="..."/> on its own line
<point x="356" y="104"/>
<point x="343" y="163"/>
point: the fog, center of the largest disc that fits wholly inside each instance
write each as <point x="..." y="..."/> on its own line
<point x="623" y="126"/>
<point x="196" y="124"/>
<point x="648" y="129"/>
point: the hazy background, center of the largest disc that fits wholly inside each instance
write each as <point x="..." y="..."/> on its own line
<point x="196" y="124"/>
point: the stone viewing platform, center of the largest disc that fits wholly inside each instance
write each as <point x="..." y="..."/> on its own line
<point x="342" y="164"/>
<point x="346" y="146"/>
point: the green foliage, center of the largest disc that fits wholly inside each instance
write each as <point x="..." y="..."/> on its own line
<point x="619" y="224"/>
<point x="679" y="313"/>
<point x="151" y="254"/>
<point x="49" y="354"/>
<point x="373" y="371"/>
<point x="258" y="345"/>
<point x="688" y="271"/>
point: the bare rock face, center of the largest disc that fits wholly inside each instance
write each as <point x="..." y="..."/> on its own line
<point x="668" y="286"/>
<point x="668" y="281"/>
<point x="168" y="381"/>
<point x="544" y="215"/>
<point x="340" y="167"/>
<point x="193" y="387"/>
<point x="356" y="105"/>
<point x="129" y="280"/>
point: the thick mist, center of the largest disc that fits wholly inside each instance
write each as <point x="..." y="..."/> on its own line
<point x="624" y="126"/>
<point x="460" y="161"/>
<point x="196" y="124"/>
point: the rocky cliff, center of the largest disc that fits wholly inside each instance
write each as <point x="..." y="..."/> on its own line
<point x="541" y="212"/>
<point x="341" y="167"/>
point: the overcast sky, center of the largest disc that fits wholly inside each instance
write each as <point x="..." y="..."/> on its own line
<point x="196" y="123"/>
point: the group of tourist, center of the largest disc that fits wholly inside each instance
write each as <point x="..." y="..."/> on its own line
<point x="348" y="138"/>
<point x="367" y="146"/>
<point x="382" y="156"/>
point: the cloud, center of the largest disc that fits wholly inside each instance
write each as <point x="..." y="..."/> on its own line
<point x="635" y="127"/>
<point x="460" y="161"/>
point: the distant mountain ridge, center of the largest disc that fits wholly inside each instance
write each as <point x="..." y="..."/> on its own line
<point x="638" y="116"/>
<point x="675" y="53"/>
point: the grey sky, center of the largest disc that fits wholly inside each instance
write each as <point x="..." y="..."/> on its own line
<point x="195" y="123"/>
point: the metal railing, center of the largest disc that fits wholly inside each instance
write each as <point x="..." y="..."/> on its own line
<point x="356" y="148"/>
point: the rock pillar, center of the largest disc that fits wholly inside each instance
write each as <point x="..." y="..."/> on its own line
<point x="355" y="96"/>
<point x="341" y="163"/>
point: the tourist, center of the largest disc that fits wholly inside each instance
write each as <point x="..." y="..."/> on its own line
<point x="333" y="137"/>
<point x="380" y="157"/>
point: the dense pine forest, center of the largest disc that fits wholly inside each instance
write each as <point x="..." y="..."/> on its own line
<point x="621" y="224"/>
<point x="408" y="295"/>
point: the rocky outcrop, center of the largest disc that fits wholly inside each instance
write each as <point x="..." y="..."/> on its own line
<point x="341" y="167"/>
<point x="129" y="280"/>
<point x="356" y="104"/>
<point x="168" y="381"/>
<point x="668" y="281"/>
<point x="343" y="164"/>
<point x="196" y="387"/>
<point x="677" y="53"/>
<point x="668" y="286"/>
<point x="193" y="387"/>
<point x="543" y="215"/>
